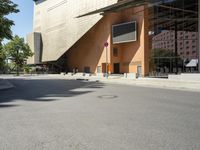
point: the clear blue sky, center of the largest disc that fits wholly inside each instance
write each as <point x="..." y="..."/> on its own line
<point x="24" y="19"/>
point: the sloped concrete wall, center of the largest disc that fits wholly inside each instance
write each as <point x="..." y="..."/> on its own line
<point x="60" y="29"/>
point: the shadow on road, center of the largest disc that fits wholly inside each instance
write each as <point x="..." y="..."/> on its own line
<point x="6" y="106"/>
<point x="45" y="90"/>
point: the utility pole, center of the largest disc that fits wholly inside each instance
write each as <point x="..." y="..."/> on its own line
<point x="176" y="47"/>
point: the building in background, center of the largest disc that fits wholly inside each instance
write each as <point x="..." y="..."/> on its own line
<point x="146" y="37"/>
<point x="174" y="26"/>
<point x="187" y="48"/>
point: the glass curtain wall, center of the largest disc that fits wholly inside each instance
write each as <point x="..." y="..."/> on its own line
<point x="174" y="37"/>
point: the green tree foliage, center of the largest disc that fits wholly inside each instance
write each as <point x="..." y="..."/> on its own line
<point x="18" y="52"/>
<point x="1" y="54"/>
<point x="2" y="59"/>
<point x="6" y="7"/>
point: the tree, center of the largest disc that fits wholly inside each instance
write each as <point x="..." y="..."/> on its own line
<point x="2" y="59"/>
<point x="18" y="52"/>
<point x="6" y="7"/>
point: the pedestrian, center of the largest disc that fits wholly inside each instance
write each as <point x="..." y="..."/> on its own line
<point x="76" y="69"/>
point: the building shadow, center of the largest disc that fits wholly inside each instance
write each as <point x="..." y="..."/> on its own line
<point x="46" y="90"/>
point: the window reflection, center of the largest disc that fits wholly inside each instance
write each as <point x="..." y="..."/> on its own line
<point x="173" y="37"/>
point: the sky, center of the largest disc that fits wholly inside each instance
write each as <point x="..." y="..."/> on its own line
<point x="24" y="19"/>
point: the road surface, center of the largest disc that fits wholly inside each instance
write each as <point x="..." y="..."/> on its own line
<point x="58" y="114"/>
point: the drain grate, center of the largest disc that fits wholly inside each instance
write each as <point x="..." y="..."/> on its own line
<point x="107" y="96"/>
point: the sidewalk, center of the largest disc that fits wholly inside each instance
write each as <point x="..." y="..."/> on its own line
<point x="185" y="85"/>
<point x="4" y="84"/>
<point x="144" y="82"/>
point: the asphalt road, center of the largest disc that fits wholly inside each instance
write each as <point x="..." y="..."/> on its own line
<point x="53" y="114"/>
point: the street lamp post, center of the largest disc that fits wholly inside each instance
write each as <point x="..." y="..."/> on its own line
<point x="176" y="47"/>
<point x="106" y="46"/>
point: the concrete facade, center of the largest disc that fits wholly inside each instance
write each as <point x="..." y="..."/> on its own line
<point x="79" y="42"/>
<point x="35" y="43"/>
<point x="60" y="29"/>
<point x="82" y="39"/>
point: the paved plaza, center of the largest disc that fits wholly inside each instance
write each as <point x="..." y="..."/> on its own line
<point x="42" y="113"/>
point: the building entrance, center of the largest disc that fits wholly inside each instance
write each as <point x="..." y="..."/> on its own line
<point x="116" y="68"/>
<point x="139" y="71"/>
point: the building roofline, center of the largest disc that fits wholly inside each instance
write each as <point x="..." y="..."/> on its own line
<point x="117" y="7"/>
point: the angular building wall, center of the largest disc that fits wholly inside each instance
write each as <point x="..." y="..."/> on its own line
<point x="60" y="29"/>
<point x="35" y="43"/>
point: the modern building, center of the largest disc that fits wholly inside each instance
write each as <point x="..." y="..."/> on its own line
<point x="145" y="37"/>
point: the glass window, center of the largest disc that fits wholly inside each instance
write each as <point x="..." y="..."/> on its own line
<point x="175" y="27"/>
<point x="115" y="52"/>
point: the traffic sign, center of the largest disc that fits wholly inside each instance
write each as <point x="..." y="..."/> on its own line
<point x="106" y="44"/>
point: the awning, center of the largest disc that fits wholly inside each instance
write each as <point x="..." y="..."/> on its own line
<point x="192" y="63"/>
<point x="117" y="7"/>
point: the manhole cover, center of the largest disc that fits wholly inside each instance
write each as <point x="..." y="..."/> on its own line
<point x="107" y="96"/>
